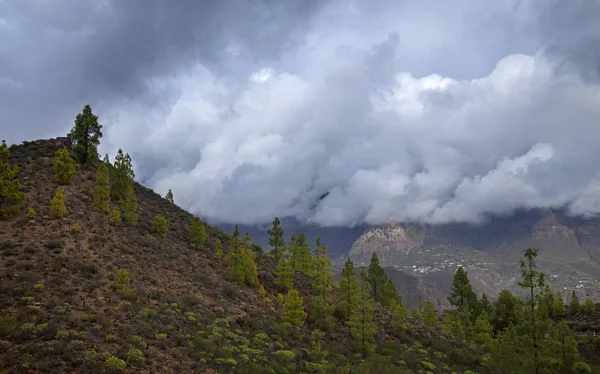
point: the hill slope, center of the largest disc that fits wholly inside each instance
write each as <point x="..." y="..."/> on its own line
<point x="60" y="312"/>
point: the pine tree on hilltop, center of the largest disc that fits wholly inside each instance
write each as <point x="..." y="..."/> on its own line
<point x="250" y="269"/>
<point x="85" y="136"/>
<point x="197" y="234"/>
<point x="304" y="260"/>
<point x="276" y="241"/>
<point x="284" y="272"/>
<point x="64" y="168"/>
<point x="169" y="196"/>
<point x="321" y="310"/>
<point x="57" y="204"/>
<point x="101" y="198"/>
<point x="121" y="177"/>
<point x="11" y="197"/>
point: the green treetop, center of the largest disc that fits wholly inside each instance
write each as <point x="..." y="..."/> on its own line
<point x="377" y="278"/>
<point x="57" y="204"/>
<point x="430" y="317"/>
<point x="121" y="176"/>
<point x="559" y="306"/>
<point x="101" y="198"/>
<point x="160" y="226"/>
<point x="197" y="234"/>
<point x="574" y="305"/>
<point x="131" y="206"/>
<point x="348" y="288"/>
<point x="293" y="309"/>
<point x="85" y="136"/>
<point x="276" y="241"/>
<point x="361" y="321"/>
<point x="64" y="168"/>
<point x="589" y="308"/>
<point x="11" y="197"/>
<point x="304" y="260"/>
<point x="169" y="196"/>
<point x="462" y="295"/>
<point x="284" y="272"/>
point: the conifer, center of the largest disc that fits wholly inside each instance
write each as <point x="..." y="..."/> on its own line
<point x="399" y="316"/>
<point x="218" y="249"/>
<point x="377" y="278"/>
<point x="64" y="168"/>
<point x="284" y="273"/>
<point x="11" y="197"/>
<point x="574" y="305"/>
<point x="197" y="234"/>
<point x="349" y="289"/>
<point x="559" y="306"/>
<point x="57" y="204"/>
<point x="321" y="312"/>
<point x="31" y="214"/>
<point x="235" y="259"/>
<point x="293" y="309"/>
<point x="250" y="269"/>
<point x="169" y="196"/>
<point x="304" y="262"/>
<point x="429" y="314"/>
<point x="462" y="295"/>
<point x="483" y="329"/>
<point x="361" y="322"/>
<point x="115" y="217"/>
<point x="276" y="241"/>
<point x="322" y="271"/>
<point x="589" y="308"/>
<point x="101" y="198"/>
<point x="85" y="136"/>
<point x="130" y="207"/>
<point x="160" y="226"/>
<point x="121" y="177"/>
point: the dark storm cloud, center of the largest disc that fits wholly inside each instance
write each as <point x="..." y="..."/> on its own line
<point x="336" y="112"/>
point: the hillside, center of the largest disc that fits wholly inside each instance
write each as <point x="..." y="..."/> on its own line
<point x="60" y="312"/>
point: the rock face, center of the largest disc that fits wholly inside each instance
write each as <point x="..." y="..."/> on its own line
<point x="392" y="238"/>
<point x="569" y="252"/>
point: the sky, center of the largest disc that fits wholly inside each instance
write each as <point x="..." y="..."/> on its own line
<point x="335" y="112"/>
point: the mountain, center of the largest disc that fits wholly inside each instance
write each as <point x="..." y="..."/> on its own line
<point x="79" y="295"/>
<point x="569" y="250"/>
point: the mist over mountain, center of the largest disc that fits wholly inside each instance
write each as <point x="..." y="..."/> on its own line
<point x="333" y="113"/>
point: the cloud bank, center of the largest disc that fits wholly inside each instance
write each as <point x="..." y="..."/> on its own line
<point x="336" y="113"/>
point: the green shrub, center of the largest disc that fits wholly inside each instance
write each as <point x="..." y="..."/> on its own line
<point x="57" y="204"/>
<point x="31" y="214"/>
<point x="64" y="167"/>
<point x="115" y="363"/>
<point x="54" y="243"/>
<point x="160" y="226"/>
<point x="115" y="217"/>
<point x="135" y="355"/>
<point x="8" y="325"/>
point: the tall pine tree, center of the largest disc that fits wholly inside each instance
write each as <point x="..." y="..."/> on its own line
<point x="362" y="326"/>
<point x="130" y="210"/>
<point x="377" y="278"/>
<point x="85" y="136"/>
<point x="101" y="198"/>
<point x="11" y="197"/>
<point x="293" y="309"/>
<point x="276" y="241"/>
<point x="197" y="234"/>
<point x="121" y="177"/>
<point x="64" y="168"/>
<point x="349" y="289"/>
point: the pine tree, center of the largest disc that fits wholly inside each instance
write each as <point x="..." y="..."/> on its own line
<point x="11" y="197"/>
<point x="64" y="168"/>
<point x="101" y="190"/>
<point x="115" y="217"/>
<point x="292" y="252"/>
<point x="429" y="314"/>
<point x="276" y="241"/>
<point x="483" y="329"/>
<point x="160" y="226"/>
<point x="564" y="350"/>
<point x="416" y="315"/>
<point x="322" y="271"/>
<point x="218" y="249"/>
<point x="293" y="309"/>
<point x="462" y="295"/>
<point x="377" y="278"/>
<point x="548" y="300"/>
<point x="304" y="260"/>
<point x="85" y="136"/>
<point x="362" y="327"/>
<point x="130" y="209"/>
<point x="169" y="196"/>
<point x="250" y="270"/>
<point x="284" y="273"/>
<point x="349" y="289"/>
<point x="506" y="310"/>
<point x="235" y="259"/>
<point x="197" y="234"/>
<point x="121" y="177"/>
<point x="589" y="309"/>
<point x="122" y="280"/>
<point x="485" y="306"/>
<point x="559" y="306"/>
<point x="57" y="204"/>
<point x="574" y="305"/>
<point x="321" y="312"/>
<point x="399" y="316"/>
<point x="532" y="280"/>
